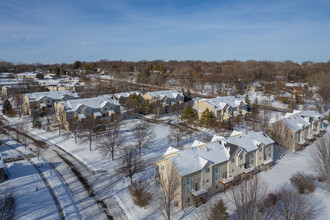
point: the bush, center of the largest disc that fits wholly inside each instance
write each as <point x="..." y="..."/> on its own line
<point x="272" y="198"/>
<point x="141" y="195"/>
<point x="303" y="183"/>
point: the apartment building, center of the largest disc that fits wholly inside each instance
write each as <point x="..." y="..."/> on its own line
<point x="43" y="102"/>
<point x="222" y="108"/>
<point x="122" y="96"/>
<point x="297" y="130"/>
<point x="208" y="168"/>
<point x="75" y="111"/>
<point x="166" y="98"/>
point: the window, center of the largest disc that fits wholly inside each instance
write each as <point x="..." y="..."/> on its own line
<point x="187" y="181"/>
<point x="241" y="157"/>
<point x="232" y="170"/>
<point x="259" y="158"/>
<point x="251" y="161"/>
<point x="216" y="187"/>
<point x="260" y="149"/>
<point x="216" y="169"/>
<point x="186" y="189"/>
<point x="233" y="160"/>
<point x="187" y="200"/>
<point x="251" y="155"/>
<point x="162" y="167"/>
<point x="216" y="177"/>
<point x="207" y="170"/>
<point x="207" y="180"/>
<point x="270" y="154"/>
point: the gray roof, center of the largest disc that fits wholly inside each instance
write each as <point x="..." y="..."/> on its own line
<point x="172" y="94"/>
<point x="220" y="102"/>
<point x="55" y="95"/>
<point x="295" y="122"/>
<point x="94" y="103"/>
<point x="194" y="159"/>
<point x="249" y="141"/>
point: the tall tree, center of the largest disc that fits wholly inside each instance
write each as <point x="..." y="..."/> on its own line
<point x="143" y="135"/>
<point x="111" y="140"/>
<point x="176" y="135"/>
<point x="131" y="162"/>
<point x="170" y="185"/>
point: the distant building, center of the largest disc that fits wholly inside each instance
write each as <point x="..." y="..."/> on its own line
<point x="255" y="86"/>
<point x="26" y="75"/>
<point x="165" y="98"/>
<point x="43" y="102"/>
<point x="121" y="97"/>
<point x="79" y="110"/>
<point x="222" y="108"/>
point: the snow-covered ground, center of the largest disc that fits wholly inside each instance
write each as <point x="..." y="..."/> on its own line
<point x="61" y="192"/>
<point x="32" y="198"/>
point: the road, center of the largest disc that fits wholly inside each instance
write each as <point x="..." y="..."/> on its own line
<point x="90" y="190"/>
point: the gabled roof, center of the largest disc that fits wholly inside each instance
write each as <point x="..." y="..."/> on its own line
<point x="94" y="103"/>
<point x="194" y="159"/>
<point x="295" y="122"/>
<point x="55" y="95"/>
<point x="249" y="141"/>
<point x="311" y="114"/>
<point x="172" y="94"/>
<point x="170" y="150"/>
<point x="221" y="102"/>
<point x="126" y="94"/>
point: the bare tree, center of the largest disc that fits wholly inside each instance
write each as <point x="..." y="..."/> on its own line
<point x="88" y="130"/>
<point x="321" y="157"/>
<point x="111" y="140"/>
<point x="143" y="134"/>
<point x="39" y="148"/>
<point x="18" y="102"/>
<point x="176" y="135"/>
<point x="170" y="185"/>
<point x="277" y="131"/>
<point x="131" y="162"/>
<point x="289" y="205"/>
<point x="322" y="80"/>
<point x="247" y="197"/>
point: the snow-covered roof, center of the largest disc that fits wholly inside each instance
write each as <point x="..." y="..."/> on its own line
<point x="55" y="95"/>
<point x="97" y="114"/>
<point x="236" y="133"/>
<point x="94" y="103"/>
<point x="126" y="94"/>
<point x="82" y="116"/>
<point x="197" y="143"/>
<point x="249" y="141"/>
<point x="221" y="102"/>
<point x="295" y="122"/>
<point x="194" y="159"/>
<point x="311" y="114"/>
<point x="27" y="74"/>
<point x="217" y="138"/>
<point x="170" y="150"/>
<point x="172" y="94"/>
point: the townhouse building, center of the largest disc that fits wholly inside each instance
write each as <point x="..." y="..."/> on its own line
<point x="123" y="96"/>
<point x="297" y="130"/>
<point x="43" y="102"/>
<point x="166" y="98"/>
<point x="71" y="112"/>
<point x="222" y="108"/>
<point x="208" y="168"/>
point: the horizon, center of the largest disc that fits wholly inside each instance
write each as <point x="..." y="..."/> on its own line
<point x="63" y="32"/>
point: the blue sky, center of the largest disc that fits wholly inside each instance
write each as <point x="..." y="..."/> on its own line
<point x="57" y="31"/>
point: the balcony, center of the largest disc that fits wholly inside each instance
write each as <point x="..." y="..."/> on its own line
<point x="226" y="180"/>
<point x="198" y="192"/>
<point x="248" y="169"/>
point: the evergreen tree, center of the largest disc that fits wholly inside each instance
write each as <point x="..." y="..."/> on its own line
<point x="247" y="100"/>
<point x="219" y="211"/>
<point x="6" y="106"/>
<point x="188" y="113"/>
<point x="206" y="118"/>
